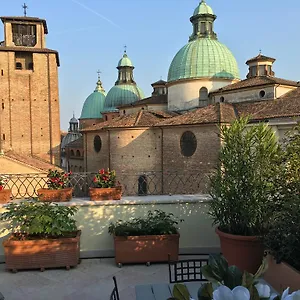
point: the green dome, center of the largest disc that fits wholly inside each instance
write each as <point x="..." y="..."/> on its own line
<point x="203" y="58"/>
<point x="121" y="95"/>
<point x="125" y="61"/>
<point x="203" y="9"/>
<point x="94" y="104"/>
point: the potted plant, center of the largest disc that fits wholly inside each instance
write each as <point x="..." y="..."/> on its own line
<point x="283" y="236"/>
<point x="241" y="191"/>
<point x="44" y="235"/>
<point x="4" y="193"/>
<point x="107" y="188"/>
<point x="145" y="240"/>
<point x="58" y="190"/>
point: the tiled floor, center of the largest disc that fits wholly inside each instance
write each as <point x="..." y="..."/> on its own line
<point x="91" y="280"/>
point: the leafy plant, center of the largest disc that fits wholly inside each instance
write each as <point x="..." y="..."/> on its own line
<point x="32" y="219"/>
<point x="57" y="180"/>
<point x="282" y="238"/>
<point x="105" y="179"/>
<point x="241" y="187"/>
<point x="155" y="223"/>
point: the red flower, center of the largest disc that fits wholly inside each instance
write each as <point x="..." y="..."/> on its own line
<point x="95" y="179"/>
<point x="102" y="171"/>
<point x="1" y="187"/>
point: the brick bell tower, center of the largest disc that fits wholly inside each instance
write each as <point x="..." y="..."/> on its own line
<point x="29" y="109"/>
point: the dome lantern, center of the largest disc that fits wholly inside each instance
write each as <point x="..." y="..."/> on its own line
<point x="125" y="90"/>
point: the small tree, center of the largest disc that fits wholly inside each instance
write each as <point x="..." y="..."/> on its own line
<point x="283" y="236"/>
<point x="241" y="187"/>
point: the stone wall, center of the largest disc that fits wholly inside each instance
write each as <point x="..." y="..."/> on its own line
<point x="29" y="119"/>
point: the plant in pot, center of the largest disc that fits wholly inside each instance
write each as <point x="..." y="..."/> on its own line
<point x="58" y="190"/>
<point x="148" y="239"/>
<point x="283" y="236"/>
<point x="107" y="187"/>
<point x="43" y="235"/>
<point x="241" y="191"/>
<point x="4" y="193"/>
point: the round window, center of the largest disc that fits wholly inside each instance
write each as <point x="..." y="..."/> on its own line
<point x="188" y="143"/>
<point x="262" y="94"/>
<point x="97" y="143"/>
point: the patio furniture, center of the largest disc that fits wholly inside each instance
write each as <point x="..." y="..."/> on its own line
<point x="186" y="270"/>
<point x="164" y="291"/>
<point x="115" y="292"/>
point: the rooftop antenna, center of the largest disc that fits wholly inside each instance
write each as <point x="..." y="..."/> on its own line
<point x="25" y="7"/>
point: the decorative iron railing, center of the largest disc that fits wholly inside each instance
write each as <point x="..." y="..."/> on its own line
<point x="140" y="184"/>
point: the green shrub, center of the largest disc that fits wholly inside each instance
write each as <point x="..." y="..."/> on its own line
<point x="31" y="220"/>
<point x="242" y="185"/>
<point x="283" y="236"/>
<point x="155" y="223"/>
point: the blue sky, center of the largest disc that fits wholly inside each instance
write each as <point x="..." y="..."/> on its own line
<point x="91" y="34"/>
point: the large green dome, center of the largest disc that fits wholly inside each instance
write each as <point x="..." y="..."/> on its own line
<point x="94" y="104"/>
<point x="203" y="57"/>
<point x="122" y="94"/>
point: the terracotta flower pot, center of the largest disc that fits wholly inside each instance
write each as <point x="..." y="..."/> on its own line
<point x="245" y="252"/>
<point x="146" y="248"/>
<point x="41" y="254"/>
<point x="5" y="196"/>
<point x="282" y="275"/>
<point x="63" y="195"/>
<point x="97" y="194"/>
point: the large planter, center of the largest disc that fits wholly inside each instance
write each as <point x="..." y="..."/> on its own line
<point x="97" y="194"/>
<point x="5" y="196"/>
<point x="282" y="275"/>
<point x="41" y="254"/>
<point x="62" y="195"/>
<point x="245" y="252"/>
<point x="146" y="248"/>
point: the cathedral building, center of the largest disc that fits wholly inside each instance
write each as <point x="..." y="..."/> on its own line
<point x="176" y="129"/>
<point x="29" y="112"/>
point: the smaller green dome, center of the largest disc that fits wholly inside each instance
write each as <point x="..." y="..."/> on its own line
<point x="125" y="61"/>
<point x="121" y="95"/>
<point x="94" y="103"/>
<point x="203" y="9"/>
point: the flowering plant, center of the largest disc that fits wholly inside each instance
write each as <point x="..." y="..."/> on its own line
<point x="3" y="181"/>
<point x="106" y="179"/>
<point x="57" y="180"/>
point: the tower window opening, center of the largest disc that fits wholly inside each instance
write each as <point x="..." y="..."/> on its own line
<point x="2" y="105"/>
<point x="19" y="66"/>
<point x="2" y="73"/>
<point x="3" y="136"/>
<point x="202" y="27"/>
<point x="222" y="99"/>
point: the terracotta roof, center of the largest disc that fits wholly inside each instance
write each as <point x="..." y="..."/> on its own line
<point x="161" y="99"/>
<point x="260" y="57"/>
<point x="159" y="82"/>
<point x="27" y="19"/>
<point x="141" y="118"/>
<point x="76" y="144"/>
<point x="217" y="113"/>
<point x="268" y="109"/>
<point x="31" y="161"/>
<point x="255" y="81"/>
<point x="30" y="49"/>
<point x="291" y="94"/>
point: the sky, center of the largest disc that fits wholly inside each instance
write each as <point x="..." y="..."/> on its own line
<point x="90" y="35"/>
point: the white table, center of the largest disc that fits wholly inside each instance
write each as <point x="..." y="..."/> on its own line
<point x="163" y="291"/>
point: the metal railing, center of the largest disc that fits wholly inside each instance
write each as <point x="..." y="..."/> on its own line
<point x="139" y="184"/>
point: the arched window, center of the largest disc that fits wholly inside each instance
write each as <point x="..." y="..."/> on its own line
<point x="19" y="66"/>
<point x="72" y="153"/>
<point x="77" y="153"/>
<point x="203" y="93"/>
